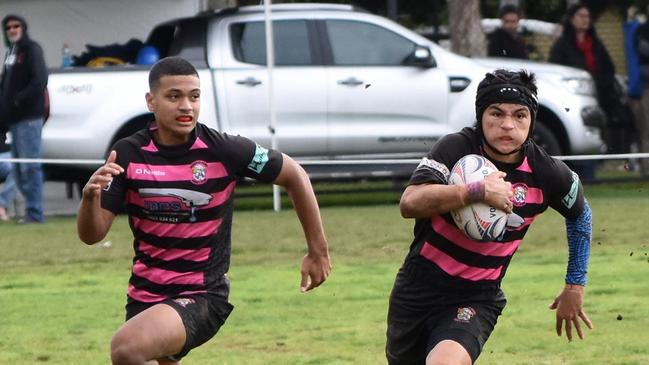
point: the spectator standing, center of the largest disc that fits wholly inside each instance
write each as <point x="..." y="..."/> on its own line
<point x="641" y="104"/>
<point x="8" y="192"/>
<point x="506" y="41"/>
<point x="579" y="46"/>
<point x="24" y="78"/>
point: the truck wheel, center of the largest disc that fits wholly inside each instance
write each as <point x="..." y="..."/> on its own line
<point x="131" y="127"/>
<point x="544" y="137"/>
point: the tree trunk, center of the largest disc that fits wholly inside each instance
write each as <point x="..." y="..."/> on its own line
<point x="467" y="37"/>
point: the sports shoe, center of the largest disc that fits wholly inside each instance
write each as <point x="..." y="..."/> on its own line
<point x="28" y="220"/>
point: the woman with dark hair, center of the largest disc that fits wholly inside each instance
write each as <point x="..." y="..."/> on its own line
<point x="579" y="46"/>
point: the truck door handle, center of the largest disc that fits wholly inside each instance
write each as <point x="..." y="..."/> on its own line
<point x="249" y="81"/>
<point x="352" y="81"/>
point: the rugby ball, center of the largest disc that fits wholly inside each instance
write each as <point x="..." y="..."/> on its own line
<point x="478" y="221"/>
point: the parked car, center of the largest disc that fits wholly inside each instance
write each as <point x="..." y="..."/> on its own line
<point x="347" y="84"/>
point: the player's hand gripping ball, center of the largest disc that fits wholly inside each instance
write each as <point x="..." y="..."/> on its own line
<point x="478" y="221"/>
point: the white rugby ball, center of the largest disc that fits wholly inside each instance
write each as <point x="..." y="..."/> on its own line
<point x="478" y="221"/>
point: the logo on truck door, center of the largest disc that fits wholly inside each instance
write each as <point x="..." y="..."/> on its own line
<point x="75" y="89"/>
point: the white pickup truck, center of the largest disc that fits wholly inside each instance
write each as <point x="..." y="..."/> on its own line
<point x="347" y="84"/>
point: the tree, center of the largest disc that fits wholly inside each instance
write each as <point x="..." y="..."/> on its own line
<point x="467" y="37"/>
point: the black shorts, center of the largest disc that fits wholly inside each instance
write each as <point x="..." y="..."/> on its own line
<point x="202" y="315"/>
<point x="422" y="314"/>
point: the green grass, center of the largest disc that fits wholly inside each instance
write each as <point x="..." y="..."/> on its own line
<point x="61" y="301"/>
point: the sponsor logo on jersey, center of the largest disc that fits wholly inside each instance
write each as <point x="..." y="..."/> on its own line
<point x="184" y="302"/>
<point x="520" y="194"/>
<point x="171" y="211"/>
<point x="155" y="206"/>
<point x="570" y="198"/>
<point x="199" y="172"/>
<point x="259" y="160"/>
<point x="188" y="197"/>
<point x="464" y="314"/>
<point x="141" y="171"/>
<point x="427" y="163"/>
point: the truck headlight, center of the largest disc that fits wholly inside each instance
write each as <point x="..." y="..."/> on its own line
<point x="579" y="85"/>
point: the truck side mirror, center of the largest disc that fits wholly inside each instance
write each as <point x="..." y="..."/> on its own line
<point x="420" y="57"/>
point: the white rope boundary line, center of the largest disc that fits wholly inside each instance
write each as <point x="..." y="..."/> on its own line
<point x="619" y="156"/>
<point x="53" y="161"/>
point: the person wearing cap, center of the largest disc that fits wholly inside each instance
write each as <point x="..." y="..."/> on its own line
<point x="23" y="83"/>
<point x="447" y="297"/>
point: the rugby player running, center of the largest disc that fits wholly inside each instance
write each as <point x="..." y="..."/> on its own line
<point x="446" y="298"/>
<point x="176" y="178"/>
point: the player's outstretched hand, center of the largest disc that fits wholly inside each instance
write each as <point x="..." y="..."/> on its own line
<point x="315" y="270"/>
<point x="569" y="307"/>
<point x="102" y="177"/>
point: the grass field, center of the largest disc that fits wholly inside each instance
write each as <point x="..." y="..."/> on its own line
<point x="60" y="301"/>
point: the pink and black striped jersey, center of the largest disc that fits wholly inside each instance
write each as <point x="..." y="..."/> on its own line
<point x="179" y="201"/>
<point x="455" y="260"/>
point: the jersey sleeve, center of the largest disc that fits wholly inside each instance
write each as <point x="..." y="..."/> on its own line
<point x="249" y="159"/>
<point x="435" y="167"/>
<point x="566" y="191"/>
<point x="114" y="194"/>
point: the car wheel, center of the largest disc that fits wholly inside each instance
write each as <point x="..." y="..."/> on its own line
<point x="544" y="137"/>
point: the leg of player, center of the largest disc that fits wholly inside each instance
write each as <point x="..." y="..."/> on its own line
<point x="448" y="352"/>
<point x="155" y="333"/>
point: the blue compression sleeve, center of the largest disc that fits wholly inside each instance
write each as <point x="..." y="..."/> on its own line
<point x="579" y="235"/>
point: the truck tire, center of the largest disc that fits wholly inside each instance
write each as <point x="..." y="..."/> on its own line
<point x="544" y="137"/>
<point x="131" y="127"/>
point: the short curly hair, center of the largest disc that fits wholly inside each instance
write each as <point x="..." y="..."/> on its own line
<point x="170" y="66"/>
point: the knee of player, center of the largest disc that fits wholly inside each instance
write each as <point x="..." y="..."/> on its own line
<point x="441" y="361"/>
<point x="448" y="357"/>
<point x="122" y="352"/>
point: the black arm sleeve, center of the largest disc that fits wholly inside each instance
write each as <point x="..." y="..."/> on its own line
<point x="567" y="193"/>
<point x="436" y="166"/>
<point x="248" y="159"/>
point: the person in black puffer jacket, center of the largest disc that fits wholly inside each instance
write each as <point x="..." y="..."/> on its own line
<point x="23" y="86"/>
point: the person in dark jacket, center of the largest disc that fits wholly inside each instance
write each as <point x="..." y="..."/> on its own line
<point x="23" y="83"/>
<point x="579" y="46"/>
<point x="505" y="41"/>
<point x="639" y="43"/>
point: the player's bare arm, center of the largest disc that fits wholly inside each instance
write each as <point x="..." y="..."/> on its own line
<point x="427" y="200"/>
<point x="316" y="264"/>
<point x="93" y="222"/>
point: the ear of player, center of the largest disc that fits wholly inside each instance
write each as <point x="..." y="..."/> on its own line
<point x="478" y="220"/>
